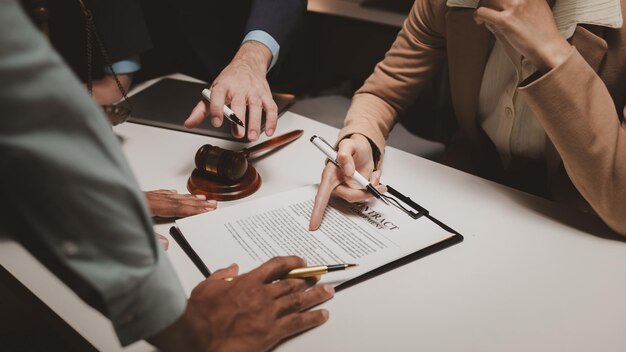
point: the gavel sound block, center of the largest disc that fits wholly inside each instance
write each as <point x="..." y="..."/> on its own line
<point x="223" y="174"/>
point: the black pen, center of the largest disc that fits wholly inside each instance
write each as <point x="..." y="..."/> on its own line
<point x="195" y="258"/>
<point x="228" y="113"/>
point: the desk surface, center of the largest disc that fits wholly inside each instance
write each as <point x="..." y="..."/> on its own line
<point x="530" y="275"/>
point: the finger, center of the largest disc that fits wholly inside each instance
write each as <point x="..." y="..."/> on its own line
<point x="254" y="118"/>
<point x="375" y="178"/>
<point x="296" y="323"/>
<point x="216" y="107"/>
<point x="237" y="130"/>
<point x="328" y="183"/>
<point x="290" y="286"/>
<point x="487" y="15"/>
<point x="164" y="241"/>
<point x="352" y="195"/>
<point x="178" y="211"/>
<point x="180" y="206"/>
<point x="298" y="302"/>
<point x="375" y="181"/>
<point x="198" y="203"/>
<point x="190" y="210"/>
<point x="198" y="114"/>
<point x="230" y="271"/>
<point x="345" y="152"/>
<point x="238" y="105"/>
<point x="277" y="268"/>
<point x="271" y="114"/>
<point x="192" y="199"/>
<point x="163" y="191"/>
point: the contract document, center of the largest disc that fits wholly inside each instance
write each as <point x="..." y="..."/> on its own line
<point x="369" y="234"/>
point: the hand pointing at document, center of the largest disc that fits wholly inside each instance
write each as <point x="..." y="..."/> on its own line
<point x="354" y="153"/>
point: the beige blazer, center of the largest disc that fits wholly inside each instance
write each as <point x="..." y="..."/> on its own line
<point x="579" y="103"/>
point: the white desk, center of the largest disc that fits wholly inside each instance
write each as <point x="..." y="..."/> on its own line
<point x="526" y="278"/>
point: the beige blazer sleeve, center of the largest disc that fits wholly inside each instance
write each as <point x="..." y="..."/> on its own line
<point x="577" y="112"/>
<point x="412" y="61"/>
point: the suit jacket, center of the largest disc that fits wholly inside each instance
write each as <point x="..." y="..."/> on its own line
<point x="120" y="26"/>
<point x="579" y="103"/>
<point x="214" y="29"/>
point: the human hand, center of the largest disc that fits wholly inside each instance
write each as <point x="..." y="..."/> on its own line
<point x="169" y="204"/>
<point x="105" y="90"/>
<point x="354" y="153"/>
<point x="163" y="240"/>
<point x="528" y="27"/>
<point x="242" y="83"/>
<point x="253" y="312"/>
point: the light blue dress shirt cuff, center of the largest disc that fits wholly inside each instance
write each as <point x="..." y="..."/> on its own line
<point x="267" y="40"/>
<point x="129" y="65"/>
<point x="150" y="306"/>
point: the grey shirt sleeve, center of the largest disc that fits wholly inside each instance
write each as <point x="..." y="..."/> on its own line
<point x="67" y="192"/>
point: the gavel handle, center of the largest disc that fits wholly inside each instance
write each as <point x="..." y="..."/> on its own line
<point x="273" y="142"/>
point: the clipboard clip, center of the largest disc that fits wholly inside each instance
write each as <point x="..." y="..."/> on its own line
<point x="411" y="208"/>
<point x="398" y="198"/>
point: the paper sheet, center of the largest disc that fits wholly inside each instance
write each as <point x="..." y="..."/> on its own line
<point x="370" y="234"/>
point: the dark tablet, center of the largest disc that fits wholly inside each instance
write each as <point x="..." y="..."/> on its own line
<point x="168" y="102"/>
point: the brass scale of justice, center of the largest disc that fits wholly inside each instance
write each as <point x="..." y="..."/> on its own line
<point x="223" y="174"/>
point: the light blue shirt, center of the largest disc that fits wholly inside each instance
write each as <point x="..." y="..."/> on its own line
<point x="267" y="40"/>
<point x="133" y="64"/>
<point x="127" y="66"/>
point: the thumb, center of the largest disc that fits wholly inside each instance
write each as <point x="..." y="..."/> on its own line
<point x="165" y="243"/>
<point x="487" y="15"/>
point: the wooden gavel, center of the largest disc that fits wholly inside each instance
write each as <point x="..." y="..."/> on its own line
<point x="231" y="165"/>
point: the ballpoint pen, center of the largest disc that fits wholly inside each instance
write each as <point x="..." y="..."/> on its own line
<point x="295" y="273"/>
<point x="228" y="113"/>
<point x="331" y="154"/>
<point x="309" y="271"/>
<point x="186" y="247"/>
<point x="318" y="270"/>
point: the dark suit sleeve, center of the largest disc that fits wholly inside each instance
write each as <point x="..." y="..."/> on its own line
<point x="122" y="27"/>
<point x="279" y="18"/>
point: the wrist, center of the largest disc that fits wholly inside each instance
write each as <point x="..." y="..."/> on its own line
<point x="254" y="54"/>
<point x="373" y="149"/>
<point x="182" y="335"/>
<point x="360" y="138"/>
<point x="553" y="55"/>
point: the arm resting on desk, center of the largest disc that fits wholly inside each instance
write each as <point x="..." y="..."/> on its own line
<point x="582" y="123"/>
<point x="69" y="195"/>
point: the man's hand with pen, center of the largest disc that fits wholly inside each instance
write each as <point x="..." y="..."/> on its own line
<point x="252" y="312"/>
<point x="353" y="154"/>
<point x="241" y="85"/>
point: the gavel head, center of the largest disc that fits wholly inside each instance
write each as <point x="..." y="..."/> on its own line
<point x="222" y="163"/>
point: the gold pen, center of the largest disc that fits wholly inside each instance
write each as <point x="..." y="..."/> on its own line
<point x="309" y="271"/>
<point x="318" y="270"/>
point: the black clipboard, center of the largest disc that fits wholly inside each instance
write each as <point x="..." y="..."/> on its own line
<point x="456" y="238"/>
<point x="168" y="102"/>
<point x="419" y="213"/>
